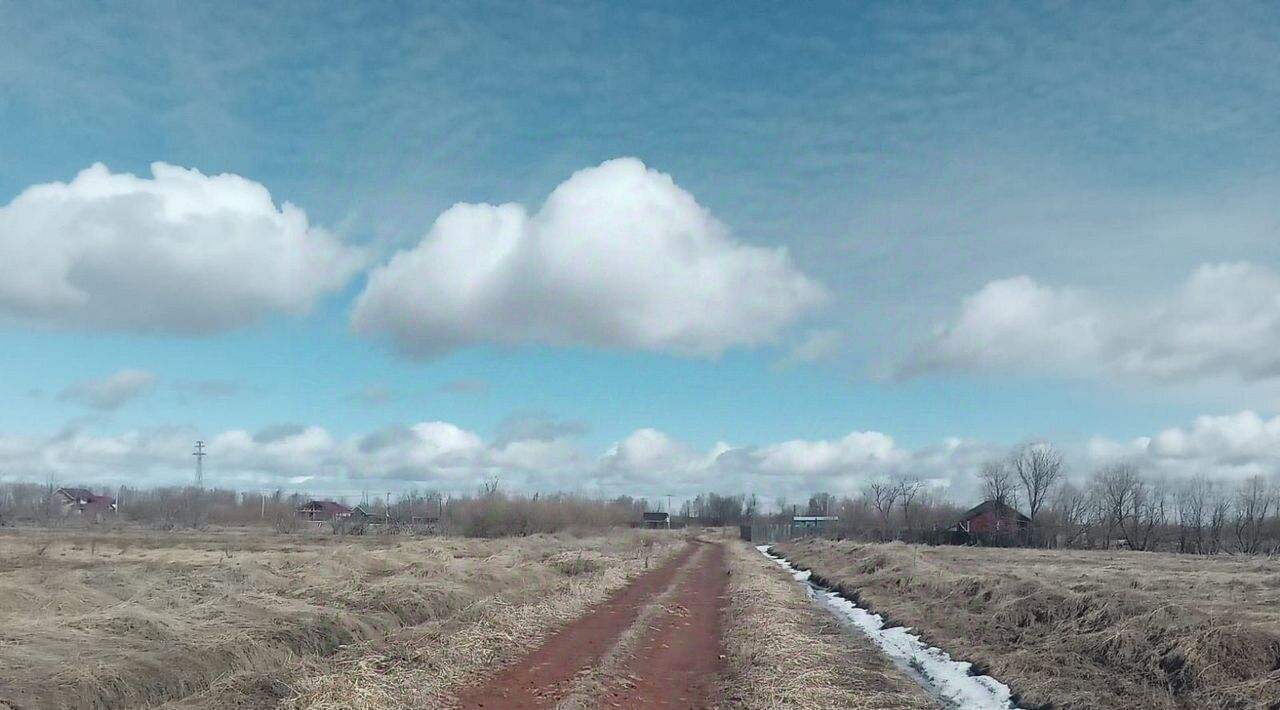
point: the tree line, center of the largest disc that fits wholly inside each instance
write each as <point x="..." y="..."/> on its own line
<point x="1115" y="506"/>
<point x="489" y="512"/>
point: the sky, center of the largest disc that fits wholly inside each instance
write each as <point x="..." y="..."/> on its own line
<point x="617" y="249"/>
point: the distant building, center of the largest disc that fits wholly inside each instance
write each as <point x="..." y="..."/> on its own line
<point x="323" y="511"/>
<point x="812" y="525"/>
<point x="657" y="520"/>
<point x="81" y="501"/>
<point x="991" y="521"/>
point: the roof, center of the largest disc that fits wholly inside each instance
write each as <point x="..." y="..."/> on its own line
<point x="325" y="506"/>
<point x="994" y="508"/>
<point x="100" y="500"/>
<point x="78" y="494"/>
<point x="657" y="517"/>
<point x="814" y="518"/>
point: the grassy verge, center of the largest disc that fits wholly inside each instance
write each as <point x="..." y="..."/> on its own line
<point x="782" y="652"/>
<point x="1061" y="636"/>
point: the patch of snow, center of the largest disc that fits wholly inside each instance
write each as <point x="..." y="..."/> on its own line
<point x="948" y="680"/>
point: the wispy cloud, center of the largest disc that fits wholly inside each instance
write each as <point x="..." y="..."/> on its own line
<point x="465" y="386"/>
<point x="537" y="426"/>
<point x="110" y="392"/>
<point x="373" y="395"/>
<point x="816" y="346"/>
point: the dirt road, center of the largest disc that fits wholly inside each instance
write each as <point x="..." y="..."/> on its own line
<point x="655" y="644"/>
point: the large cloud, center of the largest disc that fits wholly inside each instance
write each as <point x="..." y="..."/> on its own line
<point x="1224" y="320"/>
<point x="178" y="252"/>
<point x="618" y="256"/>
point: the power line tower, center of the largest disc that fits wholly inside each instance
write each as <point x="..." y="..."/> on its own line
<point x="199" y="454"/>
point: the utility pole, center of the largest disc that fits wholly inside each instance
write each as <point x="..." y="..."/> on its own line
<point x="264" y="504"/>
<point x="199" y="454"/>
<point x="669" y="513"/>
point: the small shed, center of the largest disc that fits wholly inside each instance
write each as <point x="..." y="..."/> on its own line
<point x="657" y="520"/>
<point x="990" y="520"/>
<point x="323" y="510"/>
<point x="802" y="525"/>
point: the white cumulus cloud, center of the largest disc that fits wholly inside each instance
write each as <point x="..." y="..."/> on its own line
<point x="618" y="256"/>
<point x="445" y="457"/>
<point x="178" y="252"/>
<point x="1223" y="321"/>
<point x="1226" y="447"/>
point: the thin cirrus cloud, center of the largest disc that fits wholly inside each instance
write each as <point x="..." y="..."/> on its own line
<point x="1222" y="321"/>
<point x="618" y="256"/>
<point x="179" y="252"/>
<point x="111" y="392"/>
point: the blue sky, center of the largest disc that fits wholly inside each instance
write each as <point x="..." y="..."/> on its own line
<point x="1001" y="222"/>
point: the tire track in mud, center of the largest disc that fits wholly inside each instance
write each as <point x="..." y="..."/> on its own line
<point x="657" y="639"/>
<point x="679" y="662"/>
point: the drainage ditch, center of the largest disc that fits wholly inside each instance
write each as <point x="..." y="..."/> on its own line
<point x="949" y="681"/>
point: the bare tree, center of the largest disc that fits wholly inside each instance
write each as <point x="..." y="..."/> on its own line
<point x="1193" y="497"/>
<point x="1119" y="485"/>
<point x="1152" y="515"/>
<point x="883" y="496"/>
<point x="1219" y="507"/>
<point x="1039" y="467"/>
<point x="1072" y="508"/>
<point x="908" y="489"/>
<point x="998" y="482"/>
<point x="1253" y="501"/>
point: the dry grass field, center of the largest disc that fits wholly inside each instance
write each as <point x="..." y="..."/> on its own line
<point x="133" y="619"/>
<point x="1087" y="629"/>
<point x="226" y="619"/>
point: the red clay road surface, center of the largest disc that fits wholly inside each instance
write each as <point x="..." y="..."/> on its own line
<point x="676" y="662"/>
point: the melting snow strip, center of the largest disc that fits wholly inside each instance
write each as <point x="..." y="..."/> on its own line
<point x="950" y="681"/>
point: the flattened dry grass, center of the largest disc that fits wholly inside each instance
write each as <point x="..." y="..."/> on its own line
<point x="140" y="619"/>
<point x="1079" y="629"/>
<point x="425" y="666"/>
<point x="781" y="652"/>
